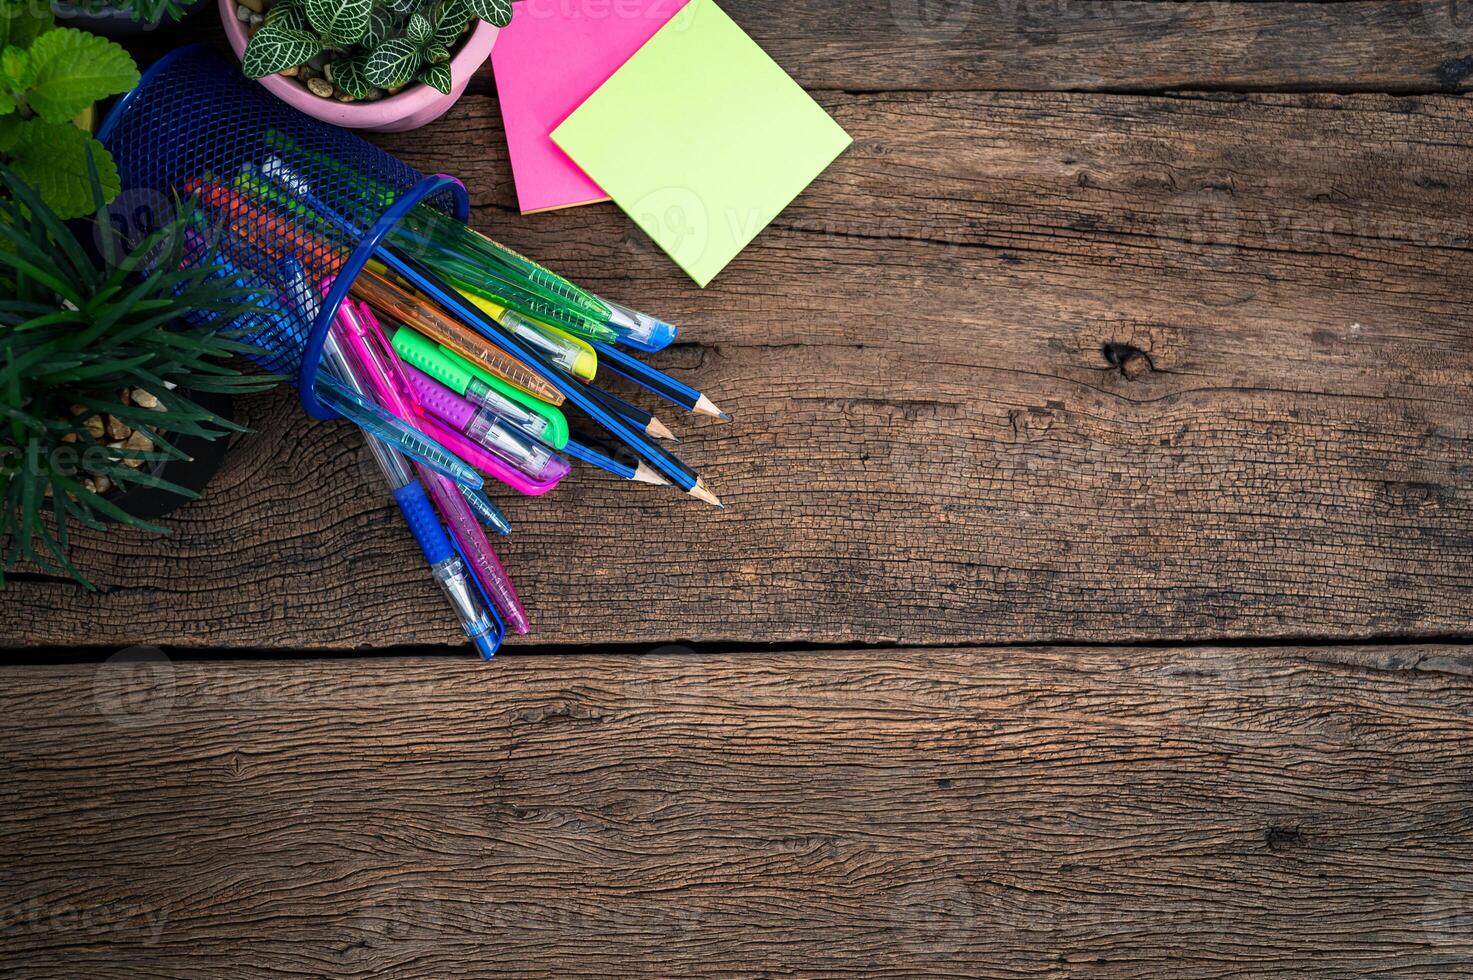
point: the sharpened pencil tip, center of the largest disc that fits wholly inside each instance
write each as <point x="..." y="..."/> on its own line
<point x="701" y="493"/>
<point x="660" y="430"/>
<point x="704" y="406"/>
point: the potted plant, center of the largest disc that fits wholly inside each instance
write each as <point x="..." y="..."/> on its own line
<point x="50" y="76"/>
<point x="385" y="65"/>
<point x="121" y="18"/>
<point x="106" y="362"/>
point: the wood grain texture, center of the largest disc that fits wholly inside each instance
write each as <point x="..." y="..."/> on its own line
<point x="1093" y="812"/>
<point x="1069" y="45"/>
<point x="1090" y="45"/>
<point x="938" y="435"/>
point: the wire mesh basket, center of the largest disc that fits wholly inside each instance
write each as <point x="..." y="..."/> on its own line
<point x="288" y="202"/>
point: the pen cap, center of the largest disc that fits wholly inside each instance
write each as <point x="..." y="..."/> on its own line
<point x="423" y="353"/>
<point x="488" y="463"/>
<point x="456" y="373"/>
<point x="195" y="127"/>
<point x="582" y="361"/>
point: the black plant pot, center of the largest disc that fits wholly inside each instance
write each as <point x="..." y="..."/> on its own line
<point x="206" y="455"/>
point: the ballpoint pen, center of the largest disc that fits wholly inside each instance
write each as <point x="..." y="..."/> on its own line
<point x="531" y="415"/>
<point x="421" y="314"/>
<point x="572" y="355"/>
<point x="493" y="283"/>
<point x="383" y="373"/>
<point x="473" y="420"/>
<point x="486" y="429"/>
<point x="446" y="567"/>
<point x="250" y="218"/>
<point x="636" y="329"/>
<point x="639" y="330"/>
<point x="394" y="432"/>
<point x="489" y="514"/>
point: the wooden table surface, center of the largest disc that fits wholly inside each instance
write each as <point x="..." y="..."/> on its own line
<point x="1089" y="601"/>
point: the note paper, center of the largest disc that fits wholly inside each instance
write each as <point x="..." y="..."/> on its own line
<point x="549" y="59"/>
<point x="701" y="139"/>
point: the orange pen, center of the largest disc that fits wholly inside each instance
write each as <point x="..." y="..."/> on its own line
<point x="424" y="316"/>
<point x="257" y="223"/>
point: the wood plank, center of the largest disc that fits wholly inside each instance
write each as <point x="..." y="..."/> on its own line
<point x="1089" y="45"/>
<point x="931" y="443"/>
<point x="1091" y="812"/>
<point x="1070" y="45"/>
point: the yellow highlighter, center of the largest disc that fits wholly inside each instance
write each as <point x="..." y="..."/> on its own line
<point x="567" y="352"/>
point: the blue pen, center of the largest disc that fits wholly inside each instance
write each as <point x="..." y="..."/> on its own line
<point x="487" y="512"/>
<point x="483" y="627"/>
<point x="394" y="433"/>
<point x="479" y="620"/>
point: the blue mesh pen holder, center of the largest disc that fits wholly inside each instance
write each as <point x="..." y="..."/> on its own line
<point x="195" y="127"/>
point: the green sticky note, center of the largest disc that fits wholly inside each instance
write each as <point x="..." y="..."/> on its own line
<point x="701" y="138"/>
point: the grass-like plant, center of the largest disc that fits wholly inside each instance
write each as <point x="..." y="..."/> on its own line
<point x="78" y="329"/>
<point x="370" y="44"/>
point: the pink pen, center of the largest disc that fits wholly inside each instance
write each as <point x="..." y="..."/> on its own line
<point x="359" y="331"/>
<point x="484" y="460"/>
<point x="485" y="430"/>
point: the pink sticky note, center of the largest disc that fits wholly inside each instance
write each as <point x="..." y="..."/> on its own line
<point x="551" y="57"/>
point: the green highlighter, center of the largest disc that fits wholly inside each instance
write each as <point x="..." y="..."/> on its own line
<point x="530" y="415"/>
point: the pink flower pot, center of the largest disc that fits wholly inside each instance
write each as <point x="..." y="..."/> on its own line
<point x="416" y="105"/>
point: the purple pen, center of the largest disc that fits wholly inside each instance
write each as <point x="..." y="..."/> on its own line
<point x="487" y="429"/>
<point x="358" y="329"/>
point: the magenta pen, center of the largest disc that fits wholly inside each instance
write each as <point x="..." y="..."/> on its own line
<point x="487" y="429"/>
<point x="358" y="329"/>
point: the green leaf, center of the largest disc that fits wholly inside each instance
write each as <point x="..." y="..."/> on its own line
<point x="71" y="69"/>
<point x="348" y="75"/>
<point x="400" y="8"/>
<point x="289" y="16"/>
<point x="22" y="21"/>
<point x="454" y="16"/>
<point x="15" y="69"/>
<point x="436" y="77"/>
<point x="10" y="127"/>
<point x="52" y="157"/>
<point x="418" y="29"/>
<point x="275" y="49"/>
<point x="340" y="22"/>
<point x="380" y="26"/>
<point x="393" y="63"/>
<point x="496" y="12"/>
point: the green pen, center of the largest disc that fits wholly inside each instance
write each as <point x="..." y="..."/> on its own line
<point x="567" y="305"/>
<point x="466" y="243"/>
<point x="528" y="414"/>
<point x="598" y="315"/>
